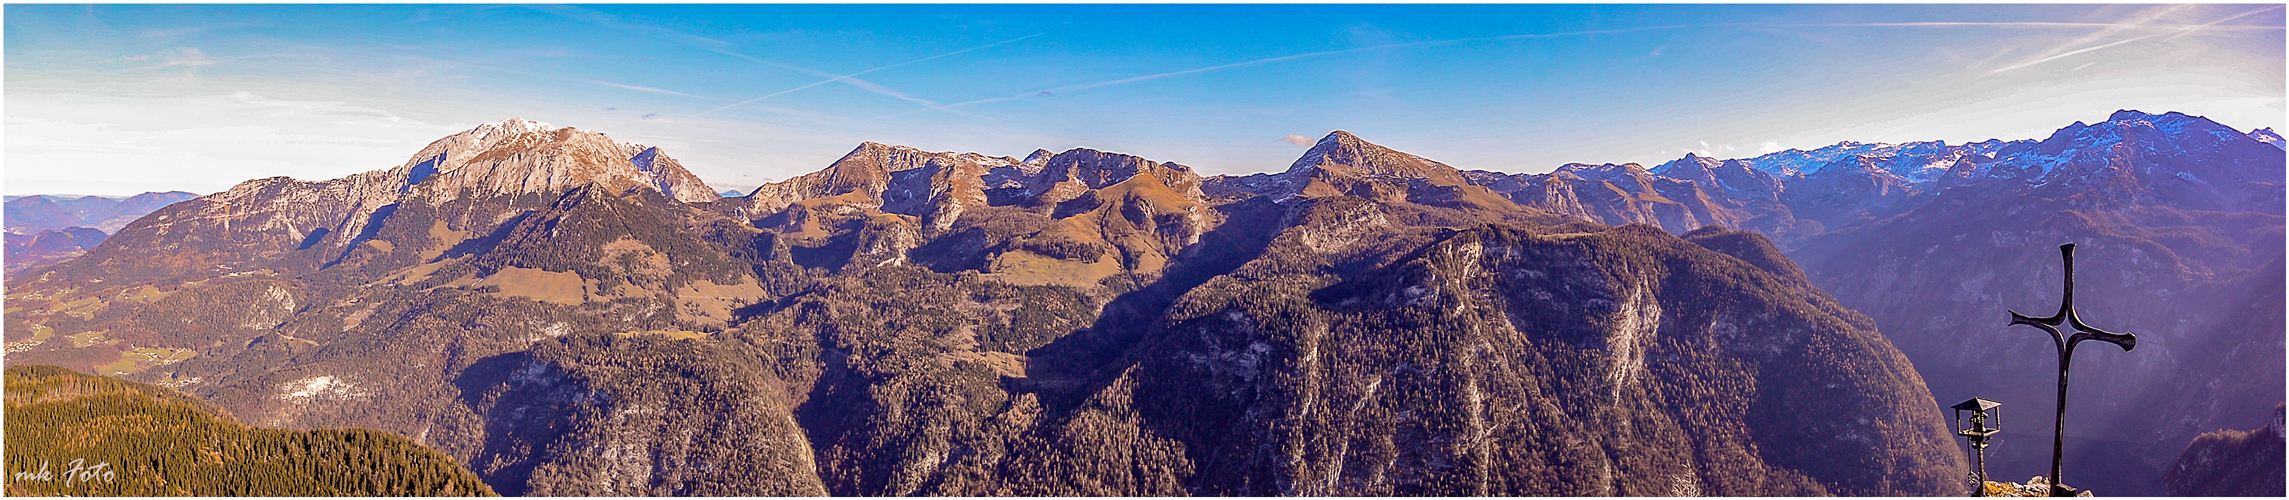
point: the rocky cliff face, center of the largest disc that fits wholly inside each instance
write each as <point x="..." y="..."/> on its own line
<point x="1618" y="194"/>
<point x="1498" y="361"/>
<point x="1846" y="191"/>
<point x="592" y="415"/>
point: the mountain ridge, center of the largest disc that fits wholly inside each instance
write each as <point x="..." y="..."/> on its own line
<point x="964" y="324"/>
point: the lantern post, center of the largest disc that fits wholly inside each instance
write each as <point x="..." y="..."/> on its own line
<point x="1977" y="433"/>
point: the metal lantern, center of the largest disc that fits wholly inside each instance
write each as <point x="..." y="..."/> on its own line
<point x="1986" y="420"/>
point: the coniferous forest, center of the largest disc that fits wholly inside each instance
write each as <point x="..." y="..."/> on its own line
<point x="72" y="434"/>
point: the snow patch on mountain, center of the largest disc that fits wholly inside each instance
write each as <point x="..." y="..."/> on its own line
<point x="2266" y="135"/>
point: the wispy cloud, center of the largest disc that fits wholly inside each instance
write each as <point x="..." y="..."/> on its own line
<point x="1269" y="60"/>
<point x="852" y="75"/>
<point x="861" y="84"/>
<point x="2067" y="54"/>
<point x="184" y="57"/>
<point x="2213" y="25"/>
<point x="190" y="59"/>
<point x="641" y="88"/>
<point x="638" y="88"/>
<point x="2039" y="24"/>
<point x="2145" y="21"/>
<point x="614" y="22"/>
<point x="716" y="46"/>
<point x="179" y="32"/>
<point x="2107" y="31"/>
<point x="1299" y="140"/>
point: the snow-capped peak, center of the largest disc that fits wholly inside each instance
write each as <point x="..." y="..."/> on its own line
<point x="1692" y="161"/>
<point x="1039" y="157"/>
<point x="512" y="126"/>
<point x="2125" y="115"/>
<point x="2266" y="135"/>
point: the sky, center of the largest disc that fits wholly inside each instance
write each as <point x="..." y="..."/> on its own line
<point x="119" y="99"/>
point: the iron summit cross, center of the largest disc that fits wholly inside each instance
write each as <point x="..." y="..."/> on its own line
<point x="2066" y="343"/>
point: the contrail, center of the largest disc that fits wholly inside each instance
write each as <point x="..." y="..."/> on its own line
<point x="845" y="77"/>
<point x="1268" y="60"/>
<point x="2179" y="31"/>
<point x="2064" y="55"/>
<point x="711" y="45"/>
<point x="2029" y="24"/>
<point x="2209" y="26"/>
<point x="641" y="88"/>
<point x="2140" y="20"/>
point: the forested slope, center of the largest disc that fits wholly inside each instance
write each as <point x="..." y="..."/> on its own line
<point x="71" y="434"/>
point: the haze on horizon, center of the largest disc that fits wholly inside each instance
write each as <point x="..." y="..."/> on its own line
<point x="116" y="99"/>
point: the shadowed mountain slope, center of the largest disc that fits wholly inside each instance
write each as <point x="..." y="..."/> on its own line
<point x="555" y="310"/>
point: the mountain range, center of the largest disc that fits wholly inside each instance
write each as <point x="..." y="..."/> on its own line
<point x="566" y="314"/>
<point x="33" y="214"/>
<point x="44" y="229"/>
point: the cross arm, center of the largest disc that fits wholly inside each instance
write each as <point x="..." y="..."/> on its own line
<point x="2082" y="332"/>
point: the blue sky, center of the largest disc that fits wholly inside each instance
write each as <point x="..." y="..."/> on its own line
<point x="115" y="99"/>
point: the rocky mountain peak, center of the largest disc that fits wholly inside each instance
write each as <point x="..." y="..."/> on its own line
<point x="511" y="127"/>
<point x="940" y="186"/>
<point x="2129" y="115"/>
<point x="874" y="158"/>
<point x="1682" y="167"/>
<point x="884" y="157"/>
<point x="524" y="156"/>
<point x="1068" y="174"/>
<point x="1099" y="168"/>
<point x="2171" y="123"/>
<point x="1851" y="165"/>
<point x="1626" y="172"/>
<point x="876" y="147"/>
<point x="1342" y="153"/>
<point x="2167" y="134"/>
<point x="2266" y="135"/>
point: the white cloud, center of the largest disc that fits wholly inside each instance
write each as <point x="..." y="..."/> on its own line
<point x="184" y="56"/>
<point x="1768" y="147"/>
<point x="126" y="144"/>
<point x="1299" y="140"/>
